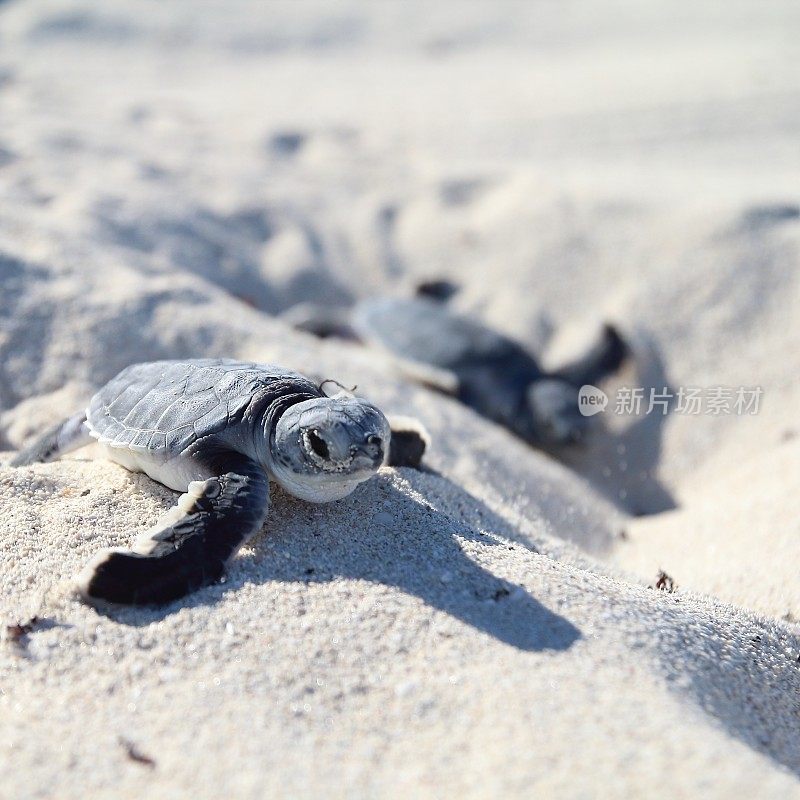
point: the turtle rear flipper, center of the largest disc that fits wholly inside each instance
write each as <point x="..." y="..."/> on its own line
<point x="322" y="321"/>
<point x="62" y="438"/>
<point x="602" y="360"/>
<point x="190" y="545"/>
<point x="430" y="376"/>
<point x="409" y="442"/>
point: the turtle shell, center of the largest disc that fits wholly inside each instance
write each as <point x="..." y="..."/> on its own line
<point x="428" y="332"/>
<point x="163" y="407"/>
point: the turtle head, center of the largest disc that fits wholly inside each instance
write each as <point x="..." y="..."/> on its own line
<point x="555" y="414"/>
<point x="323" y="448"/>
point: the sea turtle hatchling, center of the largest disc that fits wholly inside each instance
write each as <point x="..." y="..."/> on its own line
<point x="218" y="430"/>
<point x="489" y="372"/>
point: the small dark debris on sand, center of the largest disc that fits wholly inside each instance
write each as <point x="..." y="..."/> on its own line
<point x="287" y="143"/>
<point x="664" y="582"/>
<point x="134" y="754"/>
<point x="438" y="289"/>
<point x="19" y="630"/>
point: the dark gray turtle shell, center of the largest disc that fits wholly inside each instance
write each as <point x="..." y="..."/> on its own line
<point x="165" y="406"/>
<point x="428" y="332"/>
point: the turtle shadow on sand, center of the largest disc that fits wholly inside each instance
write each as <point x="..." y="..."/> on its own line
<point x="398" y="541"/>
<point x="622" y="464"/>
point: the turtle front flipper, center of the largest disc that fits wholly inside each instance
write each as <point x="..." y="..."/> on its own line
<point x="62" y="438"/>
<point x="189" y="547"/>
<point x="602" y="360"/>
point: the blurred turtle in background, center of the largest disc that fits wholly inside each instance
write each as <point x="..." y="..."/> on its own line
<point x="484" y="369"/>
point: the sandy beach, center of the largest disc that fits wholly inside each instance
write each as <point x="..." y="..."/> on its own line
<point x="174" y="178"/>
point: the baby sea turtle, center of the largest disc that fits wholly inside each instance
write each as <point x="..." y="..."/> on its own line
<point x="218" y="430"/>
<point x="457" y="355"/>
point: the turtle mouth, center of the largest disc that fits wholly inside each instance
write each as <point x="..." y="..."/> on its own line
<point x="358" y="458"/>
<point x="321" y="483"/>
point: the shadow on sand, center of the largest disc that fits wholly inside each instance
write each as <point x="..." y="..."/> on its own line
<point x="399" y="541"/>
<point x="622" y="465"/>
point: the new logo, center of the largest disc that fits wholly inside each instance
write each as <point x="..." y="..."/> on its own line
<point x="591" y="400"/>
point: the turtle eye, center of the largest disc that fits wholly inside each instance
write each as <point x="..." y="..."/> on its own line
<point x="318" y="444"/>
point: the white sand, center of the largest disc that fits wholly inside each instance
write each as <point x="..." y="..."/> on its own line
<point x="171" y="175"/>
